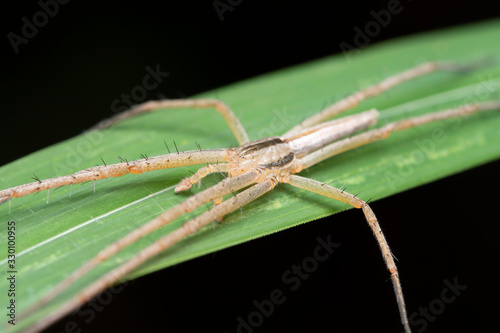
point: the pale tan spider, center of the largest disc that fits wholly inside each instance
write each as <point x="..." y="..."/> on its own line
<point x="253" y="168"/>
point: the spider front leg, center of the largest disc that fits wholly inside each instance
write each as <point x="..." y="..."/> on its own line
<point x="341" y="195"/>
<point x="221" y="107"/>
<point x="187" y="183"/>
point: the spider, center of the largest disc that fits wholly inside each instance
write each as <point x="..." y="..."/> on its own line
<point x="253" y="169"/>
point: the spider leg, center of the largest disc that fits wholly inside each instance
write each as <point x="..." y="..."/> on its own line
<point x="186" y="183"/>
<point x="226" y="186"/>
<point x="189" y="227"/>
<point x="383" y="132"/>
<point x="341" y="195"/>
<point x="116" y="170"/>
<point x="221" y="107"/>
<point x="351" y="101"/>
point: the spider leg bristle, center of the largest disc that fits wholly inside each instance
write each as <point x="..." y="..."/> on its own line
<point x="35" y="177"/>
<point x="123" y="160"/>
<point x="223" y="175"/>
<point x="331" y="182"/>
<point x="103" y="162"/>
<point x="200" y="184"/>
<point x="176" y="147"/>
<point x="168" y="149"/>
<point x="325" y="104"/>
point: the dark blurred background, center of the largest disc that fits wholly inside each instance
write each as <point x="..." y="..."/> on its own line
<point x="63" y="79"/>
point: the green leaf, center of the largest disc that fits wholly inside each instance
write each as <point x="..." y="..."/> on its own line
<point x="54" y="239"/>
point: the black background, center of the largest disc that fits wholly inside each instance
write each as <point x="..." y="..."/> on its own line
<point x="64" y="79"/>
